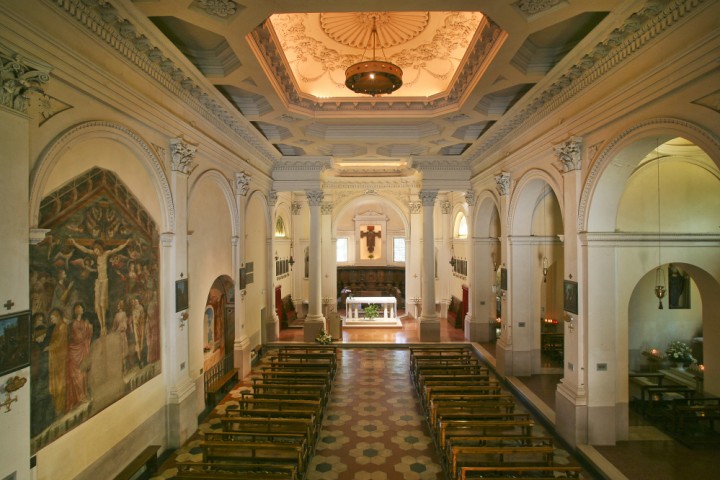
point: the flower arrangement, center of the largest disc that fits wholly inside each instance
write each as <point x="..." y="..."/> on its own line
<point x="323" y="337"/>
<point x="679" y="351"/>
<point x="371" y="311"/>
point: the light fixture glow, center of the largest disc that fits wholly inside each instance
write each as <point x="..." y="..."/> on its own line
<point x="373" y="77"/>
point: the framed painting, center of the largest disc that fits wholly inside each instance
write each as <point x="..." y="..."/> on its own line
<point x="14" y="341"/>
<point x="242" y="276"/>
<point x="570" y="296"/>
<point x="503" y="279"/>
<point x="181" y="295"/>
<point x="678" y="288"/>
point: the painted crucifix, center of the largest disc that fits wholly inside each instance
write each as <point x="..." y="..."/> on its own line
<point x="370" y="237"/>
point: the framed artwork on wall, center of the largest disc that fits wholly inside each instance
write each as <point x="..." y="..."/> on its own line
<point x="570" y="296"/>
<point x="503" y="279"/>
<point x="181" y="295"/>
<point x="242" y="277"/>
<point x="14" y="341"/>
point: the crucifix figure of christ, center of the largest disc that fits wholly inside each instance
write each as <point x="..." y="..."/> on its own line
<point x="370" y="236"/>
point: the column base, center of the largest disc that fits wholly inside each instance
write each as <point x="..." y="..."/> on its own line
<point x="476" y="331"/>
<point x="571" y="414"/>
<point x="429" y="329"/>
<point x="182" y="413"/>
<point x="313" y="325"/>
<point x="272" y="329"/>
<point x="242" y="360"/>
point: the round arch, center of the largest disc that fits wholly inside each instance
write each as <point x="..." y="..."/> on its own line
<point x="617" y="161"/>
<point x="391" y="202"/>
<point x="220" y="181"/>
<point x="524" y="200"/>
<point x="487" y="207"/>
<point x="121" y="134"/>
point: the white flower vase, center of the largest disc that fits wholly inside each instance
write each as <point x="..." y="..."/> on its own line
<point x="680" y="366"/>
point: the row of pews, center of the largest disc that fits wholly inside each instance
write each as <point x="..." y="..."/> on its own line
<point x="272" y="432"/>
<point x="475" y="424"/>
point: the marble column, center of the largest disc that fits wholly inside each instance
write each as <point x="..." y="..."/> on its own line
<point x="315" y="321"/>
<point x="241" y="348"/>
<point x="413" y="262"/>
<point x="429" y="324"/>
<point x="182" y="403"/>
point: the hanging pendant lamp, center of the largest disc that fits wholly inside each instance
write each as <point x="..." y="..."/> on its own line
<point x="373" y="77"/>
<point x="659" y="272"/>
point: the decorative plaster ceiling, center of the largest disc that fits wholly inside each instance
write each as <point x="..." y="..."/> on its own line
<point x="430" y="48"/>
<point x="471" y="79"/>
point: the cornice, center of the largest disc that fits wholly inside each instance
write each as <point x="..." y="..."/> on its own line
<point x="122" y="35"/>
<point x="622" y="43"/>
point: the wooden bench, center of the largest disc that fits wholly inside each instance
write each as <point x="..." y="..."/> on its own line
<point x="531" y="472"/>
<point x="475" y="411"/>
<point x="249" y="471"/>
<point x="291" y="388"/>
<point x="658" y="396"/>
<point x="145" y="461"/>
<point x="472" y="456"/>
<point x="305" y="426"/>
<point x="685" y="411"/>
<point x="253" y="453"/>
<point x="450" y="428"/>
<point x="431" y="391"/>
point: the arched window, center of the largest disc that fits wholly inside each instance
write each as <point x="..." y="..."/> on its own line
<point x="461" y="228"/>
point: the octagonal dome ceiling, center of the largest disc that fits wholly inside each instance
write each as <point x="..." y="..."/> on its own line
<point x="430" y="48"/>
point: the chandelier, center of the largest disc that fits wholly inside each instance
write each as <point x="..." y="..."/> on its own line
<point x="373" y="77"/>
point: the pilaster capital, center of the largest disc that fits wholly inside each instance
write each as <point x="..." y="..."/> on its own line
<point x="242" y="183"/>
<point x="295" y="208"/>
<point x="470" y="198"/>
<point x="427" y="197"/>
<point x="315" y="197"/>
<point x="326" y="208"/>
<point x="414" y="207"/>
<point x="167" y="239"/>
<point x="19" y="81"/>
<point x="445" y="207"/>
<point x="570" y="154"/>
<point x="502" y="183"/>
<point x="272" y="198"/>
<point x="182" y="154"/>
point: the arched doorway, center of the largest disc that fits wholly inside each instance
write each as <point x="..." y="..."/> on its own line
<point x="219" y="339"/>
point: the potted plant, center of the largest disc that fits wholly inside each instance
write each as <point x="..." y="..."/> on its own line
<point x="679" y="353"/>
<point x="324" y="338"/>
<point x="371" y="311"/>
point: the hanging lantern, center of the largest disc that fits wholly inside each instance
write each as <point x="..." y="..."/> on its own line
<point x="292" y="260"/>
<point x="545" y="269"/>
<point x="660" y="286"/>
<point x="452" y="255"/>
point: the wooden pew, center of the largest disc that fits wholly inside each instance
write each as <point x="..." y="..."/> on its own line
<point x="305" y="426"/>
<point x="253" y="453"/>
<point x="468" y="389"/>
<point x="473" y="456"/>
<point x="476" y="412"/>
<point x="518" y="472"/>
<point x="295" y="377"/>
<point x="684" y="411"/>
<point x="290" y="388"/>
<point x="222" y="471"/>
<point x="300" y="438"/>
<point x="454" y="427"/>
<point x="145" y="461"/>
<point x="657" y="396"/>
<point x="466" y="403"/>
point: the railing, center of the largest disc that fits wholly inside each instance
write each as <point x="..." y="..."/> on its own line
<point x="219" y="374"/>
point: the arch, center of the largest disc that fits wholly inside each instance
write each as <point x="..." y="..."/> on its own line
<point x="609" y="172"/>
<point x="219" y="179"/>
<point x="487" y="206"/>
<point x="50" y="157"/>
<point x="524" y="200"/>
<point x="391" y="202"/>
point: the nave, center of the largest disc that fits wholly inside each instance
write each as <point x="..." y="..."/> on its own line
<point x="374" y="426"/>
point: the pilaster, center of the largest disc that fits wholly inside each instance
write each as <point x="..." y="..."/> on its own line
<point x="272" y="322"/>
<point x="504" y="350"/>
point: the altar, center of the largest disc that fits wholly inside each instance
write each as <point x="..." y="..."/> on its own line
<point x="387" y="316"/>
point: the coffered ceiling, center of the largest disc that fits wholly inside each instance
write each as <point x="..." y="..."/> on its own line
<point x="473" y="71"/>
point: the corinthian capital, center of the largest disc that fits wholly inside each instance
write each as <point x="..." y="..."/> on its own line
<point x="182" y="156"/>
<point x="414" y="207"/>
<point x="570" y="154"/>
<point x="470" y="198"/>
<point x="242" y="183"/>
<point x="272" y="198"/>
<point x="502" y="182"/>
<point x="326" y="208"/>
<point x="427" y="197"/>
<point x="315" y="197"/>
<point x="19" y="81"/>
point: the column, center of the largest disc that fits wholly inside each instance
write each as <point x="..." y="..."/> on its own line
<point x="413" y="261"/>
<point x="315" y="321"/>
<point x="570" y="397"/>
<point x="445" y="252"/>
<point x="504" y="353"/>
<point x="296" y="251"/>
<point x="182" y="403"/>
<point x="429" y="324"/>
<point x="329" y="259"/>
<point x="241" y="348"/>
<point x="271" y="325"/>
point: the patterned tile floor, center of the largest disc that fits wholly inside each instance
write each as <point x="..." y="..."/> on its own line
<point x="374" y="427"/>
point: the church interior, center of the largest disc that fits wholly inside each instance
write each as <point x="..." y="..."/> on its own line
<point x="199" y="191"/>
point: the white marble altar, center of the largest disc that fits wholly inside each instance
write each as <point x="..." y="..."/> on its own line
<point x="387" y="316"/>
